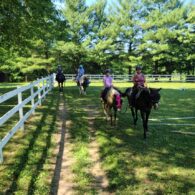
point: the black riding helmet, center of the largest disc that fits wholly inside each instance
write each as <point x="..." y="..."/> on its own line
<point x="107" y="71"/>
<point x="138" y="67"/>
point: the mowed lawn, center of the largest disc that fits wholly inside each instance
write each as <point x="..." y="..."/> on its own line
<point x="162" y="164"/>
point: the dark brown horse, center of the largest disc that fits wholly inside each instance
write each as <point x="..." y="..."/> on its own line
<point x="145" y="100"/>
<point x="60" y="78"/>
<point x="113" y="102"/>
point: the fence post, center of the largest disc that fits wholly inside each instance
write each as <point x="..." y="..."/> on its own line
<point x="21" y="109"/>
<point x="43" y="87"/>
<point x="32" y="98"/>
<point x="1" y="156"/>
<point x="39" y="93"/>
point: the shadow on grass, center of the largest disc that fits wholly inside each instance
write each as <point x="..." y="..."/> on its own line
<point x="125" y="154"/>
<point x="59" y="158"/>
<point x="23" y="158"/>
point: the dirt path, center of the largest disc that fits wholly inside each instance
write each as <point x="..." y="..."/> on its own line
<point x="63" y="180"/>
<point x="63" y="183"/>
<point x="100" y="181"/>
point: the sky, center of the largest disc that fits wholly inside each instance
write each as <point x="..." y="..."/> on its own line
<point x="90" y="2"/>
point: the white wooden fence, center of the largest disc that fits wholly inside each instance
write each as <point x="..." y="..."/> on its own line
<point x="42" y="87"/>
<point x="149" y="77"/>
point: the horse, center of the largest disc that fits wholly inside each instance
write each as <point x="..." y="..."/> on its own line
<point x="83" y="83"/>
<point x="60" y="78"/>
<point x="112" y="101"/>
<point x="146" y="98"/>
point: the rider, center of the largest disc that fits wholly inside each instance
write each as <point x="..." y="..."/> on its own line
<point x="80" y="73"/>
<point x="60" y="73"/>
<point x="107" y="81"/>
<point x="138" y="81"/>
<point x="59" y="69"/>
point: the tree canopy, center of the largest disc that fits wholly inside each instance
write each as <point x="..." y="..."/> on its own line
<point x="36" y="36"/>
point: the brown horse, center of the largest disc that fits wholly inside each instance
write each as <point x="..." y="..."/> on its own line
<point x="113" y="102"/>
<point x="145" y="100"/>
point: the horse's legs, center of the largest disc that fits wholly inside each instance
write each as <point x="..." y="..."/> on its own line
<point x="143" y="115"/>
<point x="136" y="118"/>
<point x="84" y="90"/>
<point x="115" y="111"/>
<point x="59" y="86"/>
<point x="80" y="91"/>
<point x="147" y="117"/>
<point x="62" y="85"/>
<point x="105" y="110"/>
<point x="134" y="115"/>
<point x="111" y="119"/>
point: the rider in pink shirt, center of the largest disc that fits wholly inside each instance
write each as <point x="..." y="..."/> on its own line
<point x="138" y="81"/>
<point x="107" y="81"/>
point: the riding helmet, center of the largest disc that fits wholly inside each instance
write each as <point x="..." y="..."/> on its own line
<point x="138" y="67"/>
<point x="107" y="71"/>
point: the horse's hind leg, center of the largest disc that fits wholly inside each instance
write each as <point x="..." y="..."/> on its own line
<point x="134" y="115"/>
<point x="62" y="86"/>
<point x="105" y="111"/>
<point x="80" y="92"/>
<point x="59" y="86"/>
<point x="84" y="91"/>
<point x="115" y="111"/>
<point x="147" y="117"/>
<point x="143" y="115"/>
<point x="109" y="112"/>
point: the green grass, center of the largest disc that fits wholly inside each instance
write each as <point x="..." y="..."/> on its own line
<point x="162" y="164"/>
<point x="28" y="156"/>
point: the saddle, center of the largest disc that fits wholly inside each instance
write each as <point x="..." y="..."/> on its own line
<point x="135" y="94"/>
<point x="140" y="89"/>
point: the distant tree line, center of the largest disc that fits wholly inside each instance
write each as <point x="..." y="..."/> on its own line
<point x="36" y="36"/>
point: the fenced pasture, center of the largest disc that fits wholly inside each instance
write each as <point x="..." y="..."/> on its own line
<point x="43" y="86"/>
<point x="29" y="155"/>
<point x="163" y="164"/>
<point x="149" y="77"/>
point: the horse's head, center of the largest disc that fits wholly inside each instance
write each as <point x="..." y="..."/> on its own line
<point x="118" y="101"/>
<point x="155" y="97"/>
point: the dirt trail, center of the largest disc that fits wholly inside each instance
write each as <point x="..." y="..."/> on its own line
<point x="63" y="181"/>
<point x="100" y="181"/>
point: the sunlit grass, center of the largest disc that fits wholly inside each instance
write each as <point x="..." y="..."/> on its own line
<point x="28" y="155"/>
<point x="163" y="164"/>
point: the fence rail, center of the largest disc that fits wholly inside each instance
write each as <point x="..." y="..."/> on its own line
<point x="42" y="87"/>
<point x="149" y="77"/>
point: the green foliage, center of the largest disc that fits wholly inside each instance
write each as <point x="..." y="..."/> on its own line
<point x="159" y="34"/>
